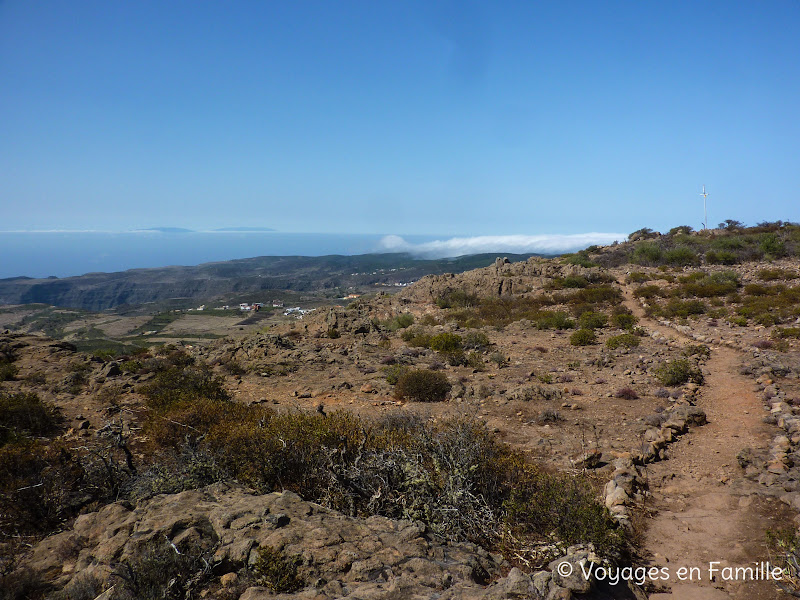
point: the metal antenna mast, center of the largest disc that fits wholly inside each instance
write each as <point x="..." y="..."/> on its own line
<point x="705" y="213"/>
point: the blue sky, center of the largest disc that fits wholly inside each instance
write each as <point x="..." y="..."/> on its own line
<point x="453" y="118"/>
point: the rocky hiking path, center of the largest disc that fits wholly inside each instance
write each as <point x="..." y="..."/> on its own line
<point x="704" y="509"/>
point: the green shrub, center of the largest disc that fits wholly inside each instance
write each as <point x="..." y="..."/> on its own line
<point x="677" y="372"/>
<point x="648" y="291"/>
<point x="638" y="277"/>
<point x="475" y="361"/>
<point x="416" y="338"/>
<point x="277" y="571"/>
<point x="681" y="257"/>
<point x="458" y="299"/>
<point x="684" y="308"/>
<point x="548" y="319"/>
<point x="476" y="340"/>
<point x="624" y="321"/>
<point x="180" y="384"/>
<point x="422" y="385"/>
<point x="713" y="285"/>
<point x="592" y="320"/>
<point x="8" y="371"/>
<point x="700" y="350"/>
<point x="24" y="414"/>
<point x="446" y="342"/>
<point x="646" y="253"/>
<point x="401" y="322"/>
<point x="775" y="274"/>
<point x="626" y="340"/>
<point x="596" y="294"/>
<point x="393" y="373"/>
<point x="580" y="259"/>
<point x="575" y="281"/>
<point x="499" y="359"/>
<point x="721" y="257"/>
<point x="738" y="320"/>
<point x="771" y="245"/>
<point x="680" y="230"/>
<point x="786" y="332"/>
<point x="583" y="337"/>
<point x="333" y="333"/>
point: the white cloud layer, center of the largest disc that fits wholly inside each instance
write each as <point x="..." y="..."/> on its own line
<point x="512" y="244"/>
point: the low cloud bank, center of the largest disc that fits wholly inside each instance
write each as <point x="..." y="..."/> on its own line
<point x="512" y="244"/>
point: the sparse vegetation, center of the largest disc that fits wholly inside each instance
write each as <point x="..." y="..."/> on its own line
<point x="677" y="372"/>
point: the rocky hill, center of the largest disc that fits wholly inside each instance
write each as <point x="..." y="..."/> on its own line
<point x="100" y="291"/>
<point x="462" y="439"/>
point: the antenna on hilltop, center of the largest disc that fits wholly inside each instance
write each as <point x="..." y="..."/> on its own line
<point x="705" y="213"/>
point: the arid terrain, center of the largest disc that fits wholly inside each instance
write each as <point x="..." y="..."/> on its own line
<point x="631" y="406"/>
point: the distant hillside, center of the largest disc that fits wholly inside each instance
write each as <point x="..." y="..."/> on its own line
<point x="100" y="291"/>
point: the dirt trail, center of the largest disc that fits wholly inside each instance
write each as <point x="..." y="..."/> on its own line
<point x="706" y="510"/>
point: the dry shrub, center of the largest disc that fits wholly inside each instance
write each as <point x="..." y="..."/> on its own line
<point x="422" y="385"/>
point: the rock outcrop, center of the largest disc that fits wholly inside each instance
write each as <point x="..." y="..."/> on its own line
<point x="498" y="280"/>
<point x="340" y="556"/>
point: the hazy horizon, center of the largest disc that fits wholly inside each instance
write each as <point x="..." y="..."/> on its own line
<point x="71" y="253"/>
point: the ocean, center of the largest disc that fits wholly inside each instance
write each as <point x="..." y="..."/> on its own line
<point x="63" y="254"/>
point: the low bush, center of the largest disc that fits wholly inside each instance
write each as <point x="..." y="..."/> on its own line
<point x="721" y="257"/>
<point x="159" y="572"/>
<point x="681" y="257"/>
<point x="277" y="571"/>
<point x="446" y="342"/>
<point x="458" y="299"/>
<point x="401" y="322"/>
<point x="786" y="332"/>
<point x="775" y="274"/>
<point x="393" y="373"/>
<point x="422" y="385"/>
<point x="678" y="372"/>
<point x="592" y="320"/>
<point x="699" y="350"/>
<point x="476" y="340"/>
<point x="24" y="414"/>
<point x="8" y="371"/>
<point x="499" y="359"/>
<point x="626" y="393"/>
<point x="583" y="337"/>
<point x="771" y="245"/>
<point x="638" y="277"/>
<point x="647" y="253"/>
<point x="416" y="338"/>
<point x="684" y="308"/>
<point x="176" y="384"/>
<point x="580" y="259"/>
<point x="548" y="319"/>
<point x="648" y="291"/>
<point x="626" y="340"/>
<point x="738" y="320"/>
<point x="475" y="361"/>
<point x="624" y="320"/>
<point x="711" y="286"/>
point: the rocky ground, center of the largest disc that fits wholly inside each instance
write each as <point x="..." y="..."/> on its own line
<point x="699" y="472"/>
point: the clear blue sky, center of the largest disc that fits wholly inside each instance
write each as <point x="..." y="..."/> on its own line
<point x="404" y="117"/>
